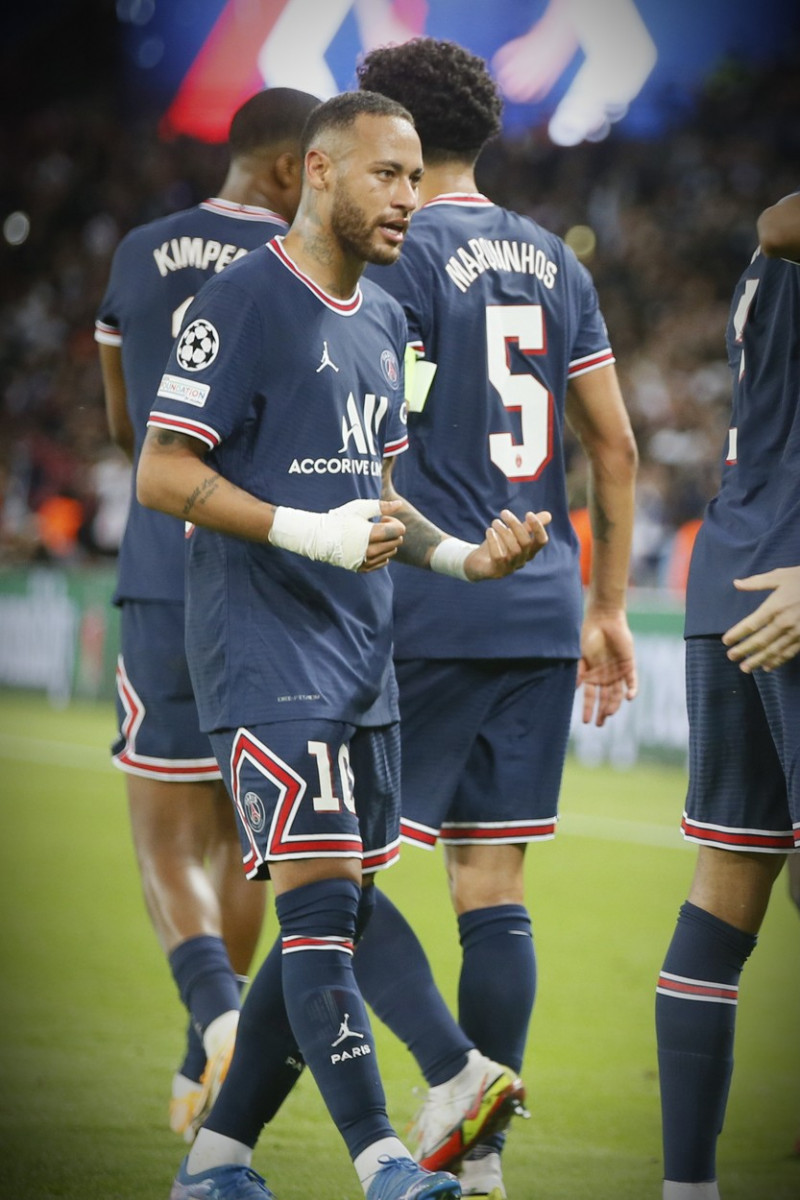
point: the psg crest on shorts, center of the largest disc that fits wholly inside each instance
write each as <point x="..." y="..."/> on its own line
<point x="254" y="810"/>
<point x="198" y="346"/>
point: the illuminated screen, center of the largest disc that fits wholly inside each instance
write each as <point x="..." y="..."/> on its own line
<point x="573" y="67"/>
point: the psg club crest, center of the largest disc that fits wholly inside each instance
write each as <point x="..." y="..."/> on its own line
<point x="391" y="371"/>
<point x="254" y="811"/>
<point x="198" y="346"/>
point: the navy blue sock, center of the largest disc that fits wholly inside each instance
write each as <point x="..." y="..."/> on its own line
<point x="695" y="1021"/>
<point x="194" y="1058"/>
<point x="266" y="1061"/>
<point x="326" y="1010"/>
<point x="497" y="987"/>
<point x="205" y="978"/>
<point x="396" y="981"/>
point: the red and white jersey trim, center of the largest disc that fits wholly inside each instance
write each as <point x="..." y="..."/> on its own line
<point x="723" y="837"/>
<point x="178" y="770"/>
<point x="379" y="860"/>
<point x="489" y="833"/>
<point x="345" y="308"/>
<point x="497" y="833"/>
<point x="418" y="835"/>
<point x="590" y="362"/>
<point x="108" y="335"/>
<point x="294" y="943"/>
<point x="473" y="199"/>
<point x="396" y="447"/>
<point x="196" y="429"/>
<point x="684" y="988"/>
<point x="243" y="212"/>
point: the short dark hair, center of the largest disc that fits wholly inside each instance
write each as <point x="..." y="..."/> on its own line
<point x="341" y="111"/>
<point x="453" y="98"/>
<point x="275" y="115"/>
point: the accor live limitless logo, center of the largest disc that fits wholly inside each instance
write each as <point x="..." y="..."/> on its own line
<point x="358" y="453"/>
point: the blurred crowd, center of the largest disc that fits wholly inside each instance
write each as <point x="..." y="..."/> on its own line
<point x="664" y="226"/>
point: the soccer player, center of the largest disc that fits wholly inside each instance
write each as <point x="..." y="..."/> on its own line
<point x="274" y="431"/>
<point x="206" y="916"/>
<point x="507" y="323"/>
<point x="743" y="696"/>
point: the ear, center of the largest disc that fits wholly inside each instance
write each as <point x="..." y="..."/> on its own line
<point x="319" y="169"/>
<point x="287" y="170"/>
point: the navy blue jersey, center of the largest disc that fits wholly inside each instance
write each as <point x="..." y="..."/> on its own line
<point x="299" y="397"/>
<point x="156" y="271"/>
<point x="509" y="315"/>
<point x="753" y="523"/>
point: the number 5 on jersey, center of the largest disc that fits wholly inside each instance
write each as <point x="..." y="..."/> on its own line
<point x="522" y="324"/>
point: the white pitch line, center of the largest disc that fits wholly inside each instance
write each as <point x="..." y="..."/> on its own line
<point x="615" y="829"/>
<point x="19" y="748"/>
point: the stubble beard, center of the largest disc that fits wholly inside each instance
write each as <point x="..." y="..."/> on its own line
<point x="355" y="233"/>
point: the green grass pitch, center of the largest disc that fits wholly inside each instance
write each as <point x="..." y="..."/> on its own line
<point x="91" y="1026"/>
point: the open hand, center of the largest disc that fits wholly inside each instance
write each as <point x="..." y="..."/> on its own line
<point x="509" y="544"/>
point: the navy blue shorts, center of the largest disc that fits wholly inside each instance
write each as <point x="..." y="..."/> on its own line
<point x="313" y="789"/>
<point x="159" y="730"/>
<point x="744" y="752"/>
<point x="483" y="748"/>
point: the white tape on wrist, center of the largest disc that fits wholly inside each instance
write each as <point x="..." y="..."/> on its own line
<point x="339" y="537"/>
<point x="450" y="555"/>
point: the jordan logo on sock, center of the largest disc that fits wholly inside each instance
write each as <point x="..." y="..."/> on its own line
<point x="345" y="1031"/>
<point x="357" y="1051"/>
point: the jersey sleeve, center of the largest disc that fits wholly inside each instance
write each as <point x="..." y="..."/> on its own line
<point x="590" y="348"/>
<point x="110" y="315"/>
<point x="207" y="387"/>
<point x="396" y="440"/>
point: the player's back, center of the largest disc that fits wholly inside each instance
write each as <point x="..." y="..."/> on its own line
<point x="753" y="524"/>
<point x="508" y="315"/>
<point x="157" y="269"/>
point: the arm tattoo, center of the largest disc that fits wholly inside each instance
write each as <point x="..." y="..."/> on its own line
<point x="602" y="525"/>
<point x="421" y="536"/>
<point x="201" y="494"/>
<point x="166" y="437"/>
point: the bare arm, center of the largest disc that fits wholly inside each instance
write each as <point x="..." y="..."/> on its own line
<point x="779" y="229"/>
<point x="597" y="414"/>
<point x="174" y="478"/>
<point x="116" y="397"/>
<point x="508" y="545"/>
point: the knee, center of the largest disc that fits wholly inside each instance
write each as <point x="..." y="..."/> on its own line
<point x="486" y="880"/>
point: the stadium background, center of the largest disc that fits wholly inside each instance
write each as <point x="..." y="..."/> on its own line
<point x="89" y="1021"/>
<point x="662" y="210"/>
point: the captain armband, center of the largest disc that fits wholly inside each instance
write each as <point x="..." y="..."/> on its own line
<point x="419" y="375"/>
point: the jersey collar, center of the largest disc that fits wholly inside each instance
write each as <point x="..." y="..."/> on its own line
<point x="345" y="307"/>
<point x="462" y="199"/>
<point x="245" y="212"/>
